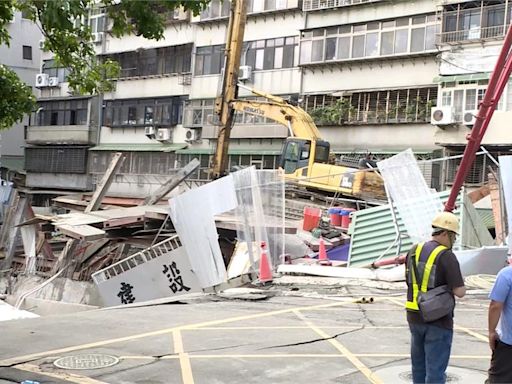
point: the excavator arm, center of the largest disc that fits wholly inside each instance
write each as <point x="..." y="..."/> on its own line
<point x="296" y="119"/>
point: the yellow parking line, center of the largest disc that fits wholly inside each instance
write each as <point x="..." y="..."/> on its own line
<point x="70" y="377"/>
<point x="344" y="351"/>
<point x="457" y="327"/>
<point x="186" y="368"/>
<point x="472" y="333"/>
<point x="34" y="356"/>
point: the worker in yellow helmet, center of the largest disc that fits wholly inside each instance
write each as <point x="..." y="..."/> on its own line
<point x="429" y="265"/>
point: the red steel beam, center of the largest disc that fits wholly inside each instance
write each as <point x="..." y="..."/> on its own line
<point x="497" y="83"/>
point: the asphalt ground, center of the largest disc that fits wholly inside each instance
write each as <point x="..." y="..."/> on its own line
<point x="290" y="337"/>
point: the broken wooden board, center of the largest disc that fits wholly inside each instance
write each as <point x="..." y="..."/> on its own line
<point x="81" y="232"/>
<point x="123" y="221"/>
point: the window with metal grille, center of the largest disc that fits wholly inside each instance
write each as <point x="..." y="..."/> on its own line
<point x="56" y="159"/>
<point x="162" y="112"/>
<point x="377" y="107"/>
<point x="155" y="61"/>
<point x="478" y="172"/>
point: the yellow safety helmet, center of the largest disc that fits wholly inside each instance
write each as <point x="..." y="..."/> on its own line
<point x="446" y="220"/>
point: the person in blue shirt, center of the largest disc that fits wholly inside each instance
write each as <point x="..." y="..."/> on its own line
<point x="500" y="328"/>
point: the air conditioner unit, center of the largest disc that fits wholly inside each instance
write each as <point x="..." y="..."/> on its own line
<point x="192" y="135"/>
<point x="163" y="134"/>
<point x="150" y="132"/>
<point x="53" y="81"/>
<point x="97" y="37"/>
<point x="42" y="80"/>
<point x="469" y="117"/>
<point x="442" y="116"/>
<point x="245" y="72"/>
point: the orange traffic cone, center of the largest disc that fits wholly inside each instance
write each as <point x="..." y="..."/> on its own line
<point x="265" y="271"/>
<point x="322" y="254"/>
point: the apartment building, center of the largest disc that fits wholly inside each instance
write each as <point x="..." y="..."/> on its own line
<point x="23" y="56"/>
<point x="470" y="40"/>
<point x="372" y="63"/>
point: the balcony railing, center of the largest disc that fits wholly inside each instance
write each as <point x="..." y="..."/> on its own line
<point x="314" y="5"/>
<point x="497" y="31"/>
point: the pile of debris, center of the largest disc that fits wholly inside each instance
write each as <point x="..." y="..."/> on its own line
<point x="211" y="237"/>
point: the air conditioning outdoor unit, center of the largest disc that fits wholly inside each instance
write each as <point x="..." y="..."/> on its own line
<point x="441" y="116"/>
<point x="163" y="134"/>
<point x="192" y="135"/>
<point x="150" y="132"/>
<point x="469" y="117"/>
<point x="97" y="37"/>
<point x="53" y="81"/>
<point x="245" y="72"/>
<point x="42" y="80"/>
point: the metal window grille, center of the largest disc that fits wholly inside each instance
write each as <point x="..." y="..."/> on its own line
<point x="56" y="159"/>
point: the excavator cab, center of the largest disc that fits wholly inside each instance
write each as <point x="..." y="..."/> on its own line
<point x="296" y="154"/>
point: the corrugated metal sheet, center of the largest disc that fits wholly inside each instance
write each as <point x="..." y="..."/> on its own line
<point x="373" y="232"/>
<point x="487" y="217"/>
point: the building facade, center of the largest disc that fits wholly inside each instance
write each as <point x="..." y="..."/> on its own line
<point x="369" y="72"/>
<point x="23" y="56"/>
<point x="470" y="40"/>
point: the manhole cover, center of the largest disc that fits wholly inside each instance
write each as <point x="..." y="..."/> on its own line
<point x="450" y="377"/>
<point x="86" y="361"/>
<point x="402" y="374"/>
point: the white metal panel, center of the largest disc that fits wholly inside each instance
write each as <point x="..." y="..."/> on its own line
<point x="161" y="271"/>
<point x="193" y="214"/>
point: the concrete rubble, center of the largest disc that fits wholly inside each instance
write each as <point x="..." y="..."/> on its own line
<point x="101" y="250"/>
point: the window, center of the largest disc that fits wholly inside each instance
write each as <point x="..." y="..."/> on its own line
<point x="270" y="53"/>
<point x="62" y="112"/>
<point x="374" y="107"/>
<point x="52" y="70"/>
<point x="209" y="60"/>
<point x="480" y="20"/>
<point x="151" y="62"/>
<point x="162" y="112"/>
<point x="27" y="52"/>
<point x="54" y="159"/>
<point x="401" y="36"/>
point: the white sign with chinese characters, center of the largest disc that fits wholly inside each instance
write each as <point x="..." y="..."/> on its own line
<point x="167" y="275"/>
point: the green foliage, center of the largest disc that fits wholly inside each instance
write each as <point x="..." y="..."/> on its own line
<point x="334" y="114"/>
<point x="16" y="98"/>
<point x="67" y="34"/>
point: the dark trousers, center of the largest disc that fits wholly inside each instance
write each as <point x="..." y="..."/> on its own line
<point x="430" y="353"/>
<point x="501" y="367"/>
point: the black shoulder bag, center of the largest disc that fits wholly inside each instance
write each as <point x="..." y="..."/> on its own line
<point x="435" y="303"/>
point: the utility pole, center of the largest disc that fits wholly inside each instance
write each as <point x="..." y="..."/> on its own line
<point x="229" y="89"/>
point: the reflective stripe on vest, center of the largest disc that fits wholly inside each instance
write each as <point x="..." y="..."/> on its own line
<point x="413" y="305"/>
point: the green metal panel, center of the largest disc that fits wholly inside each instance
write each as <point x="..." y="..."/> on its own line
<point x="487" y="217"/>
<point x="139" y="147"/>
<point x="373" y="232"/>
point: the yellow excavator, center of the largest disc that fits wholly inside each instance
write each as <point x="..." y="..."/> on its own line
<point x="305" y="156"/>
